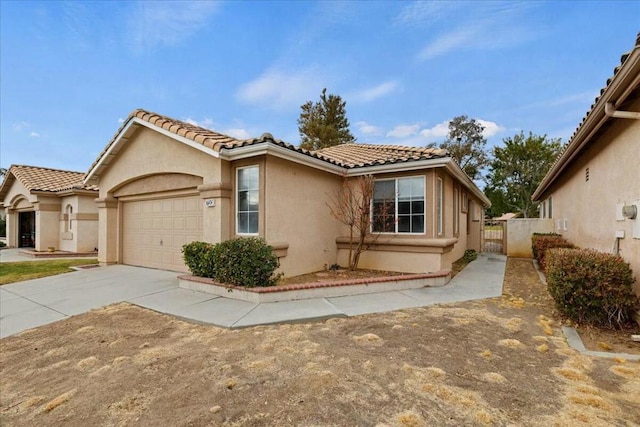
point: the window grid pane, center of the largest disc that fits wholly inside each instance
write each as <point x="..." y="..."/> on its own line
<point x="398" y="206"/>
<point x="248" y="203"/>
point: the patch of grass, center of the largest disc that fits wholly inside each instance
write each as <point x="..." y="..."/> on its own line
<point x="11" y="272"/>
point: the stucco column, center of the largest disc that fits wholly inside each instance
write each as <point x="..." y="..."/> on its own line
<point x="216" y="211"/>
<point x="47" y="225"/>
<point x="107" y="230"/>
<point x="12" y="227"/>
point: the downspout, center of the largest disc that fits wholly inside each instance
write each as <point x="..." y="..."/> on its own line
<point x="610" y="110"/>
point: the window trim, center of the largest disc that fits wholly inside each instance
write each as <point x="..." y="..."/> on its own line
<point x="439" y="206"/>
<point x="68" y="225"/>
<point x="456" y="211"/>
<point x="424" y="200"/>
<point x="237" y="204"/>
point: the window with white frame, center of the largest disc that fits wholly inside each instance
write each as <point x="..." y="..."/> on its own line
<point x="247" y="200"/>
<point x="398" y="205"/>
<point x="68" y="226"/>
<point x="456" y="212"/>
<point x="439" y="206"/>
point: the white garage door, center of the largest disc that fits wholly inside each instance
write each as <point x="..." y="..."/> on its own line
<point x="154" y="231"/>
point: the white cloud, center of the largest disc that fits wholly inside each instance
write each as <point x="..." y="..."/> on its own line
<point x="167" y="23"/>
<point x="34" y="134"/>
<point x="281" y="90"/>
<point x="20" y="126"/>
<point x="486" y="26"/>
<point x="403" y="131"/>
<point x="439" y="131"/>
<point x="490" y="128"/>
<point x="425" y="12"/>
<point x="375" y="92"/>
<point x="237" y="133"/>
<point x="367" y="129"/>
<point x="447" y="42"/>
<point x="120" y="120"/>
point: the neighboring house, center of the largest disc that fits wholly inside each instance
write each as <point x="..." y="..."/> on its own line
<point x="49" y="208"/>
<point x="598" y="173"/>
<point x="164" y="183"/>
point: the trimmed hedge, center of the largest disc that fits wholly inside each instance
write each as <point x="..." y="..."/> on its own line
<point x="591" y="287"/>
<point x="198" y="256"/>
<point x="540" y="243"/>
<point x="248" y="262"/>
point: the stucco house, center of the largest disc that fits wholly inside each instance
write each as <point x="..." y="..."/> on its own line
<point x="592" y="192"/>
<point x="49" y="208"/>
<point x="163" y="183"/>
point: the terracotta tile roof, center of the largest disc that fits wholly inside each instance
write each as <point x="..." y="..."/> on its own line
<point x="571" y="146"/>
<point x="360" y="155"/>
<point x="45" y="179"/>
<point x="206" y="137"/>
<point x="623" y="59"/>
<point x="347" y="156"/>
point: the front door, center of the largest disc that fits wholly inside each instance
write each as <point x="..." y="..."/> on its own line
<point x="27" y="229"/>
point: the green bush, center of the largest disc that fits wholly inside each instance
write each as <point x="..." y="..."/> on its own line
<point x="470" y="255"/>
<point x="246" y="262"/>
<point x="536" y="237"/>
<point x="2" y="244"/>
<point x="591" y="287"/>
<point x="198" y="256"/>
<point x="540" y="243"/>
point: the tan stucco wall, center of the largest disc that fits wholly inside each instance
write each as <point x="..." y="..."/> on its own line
<point x="519" y="231"/>
<point x="589" y="207"/>
<point x="296" y="213"/>
<point x="83" y="235"/>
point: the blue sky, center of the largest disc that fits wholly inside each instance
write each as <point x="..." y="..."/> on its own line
<point x="71" y="72"/>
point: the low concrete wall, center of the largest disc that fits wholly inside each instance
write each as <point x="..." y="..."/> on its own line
<point x="519" y="233"/>
<point x="316" y="289"/>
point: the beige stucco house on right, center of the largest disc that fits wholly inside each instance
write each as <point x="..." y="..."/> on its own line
<point x="593" y="189"/>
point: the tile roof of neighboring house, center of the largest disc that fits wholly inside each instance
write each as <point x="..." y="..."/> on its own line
<point x="577" y="138"/>
<point x="49" y="180"/>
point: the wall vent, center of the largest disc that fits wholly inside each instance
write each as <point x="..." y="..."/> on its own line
<point x="586" y="175"/>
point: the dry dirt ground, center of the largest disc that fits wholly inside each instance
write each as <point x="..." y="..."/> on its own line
<point x="500" y="362"/>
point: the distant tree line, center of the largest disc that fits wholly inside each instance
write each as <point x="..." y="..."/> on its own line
<point x="510" y="172"/>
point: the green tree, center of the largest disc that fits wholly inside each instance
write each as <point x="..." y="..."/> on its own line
<point x="324" y="123"/>
<point x="517" y="169"/>
<point x="466" y="145"/>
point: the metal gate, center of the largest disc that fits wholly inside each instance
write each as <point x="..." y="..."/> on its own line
<point x="493" y="236"/>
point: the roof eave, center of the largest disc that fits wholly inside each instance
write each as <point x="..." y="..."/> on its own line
<point x="121" y="139"/>
<point x="274" y="149"/>
<point x="616" y="92"/>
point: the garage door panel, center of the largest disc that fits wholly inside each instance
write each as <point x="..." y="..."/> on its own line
<point x="154" y="231"/>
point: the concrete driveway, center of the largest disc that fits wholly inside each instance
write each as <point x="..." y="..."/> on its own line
<point x="25" y="305"/>
<point x="37" y="302"/>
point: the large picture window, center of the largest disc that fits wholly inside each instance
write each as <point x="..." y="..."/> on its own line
<point x="247" y="200"/>
<point x="398" y="205"/>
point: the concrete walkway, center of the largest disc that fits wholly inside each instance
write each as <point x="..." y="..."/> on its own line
<point x="37" y="302"/>
<point x="14" y="255"/>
